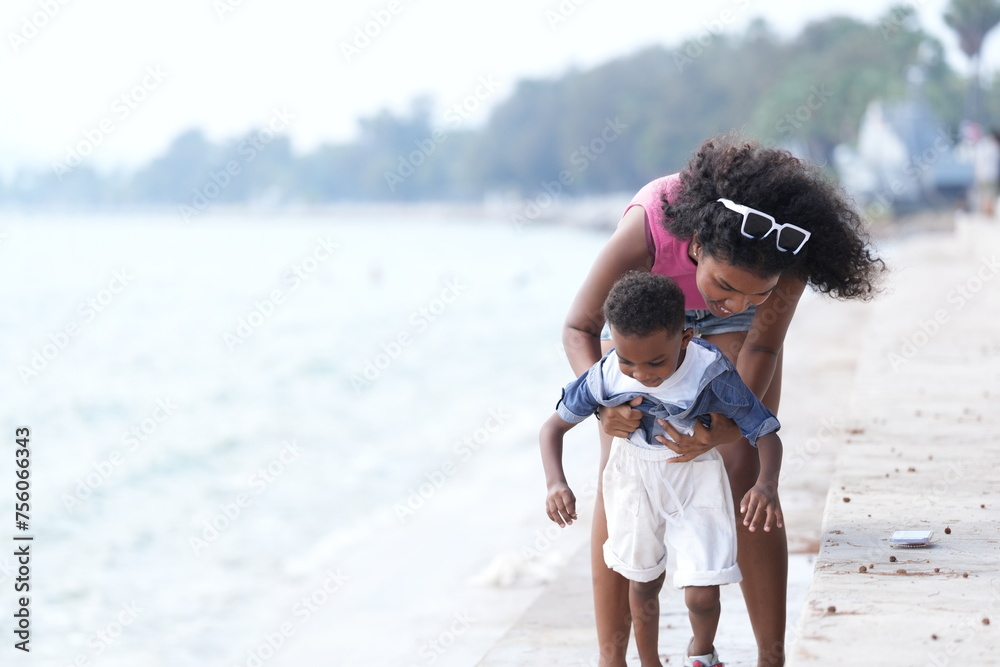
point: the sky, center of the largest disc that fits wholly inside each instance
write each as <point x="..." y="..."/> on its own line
<point x="113" y="82"/>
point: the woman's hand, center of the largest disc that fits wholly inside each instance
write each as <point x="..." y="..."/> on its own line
<point x="621" y="420"/>
<point x="723" y="430"/>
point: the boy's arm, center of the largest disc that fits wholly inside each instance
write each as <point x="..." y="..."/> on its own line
<point x="560" y="503"/>
<point x="760" y="504"/>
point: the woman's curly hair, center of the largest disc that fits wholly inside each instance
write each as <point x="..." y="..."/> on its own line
<point x="837" y="259"/>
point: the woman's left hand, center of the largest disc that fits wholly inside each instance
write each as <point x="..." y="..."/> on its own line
<point x="723" y="430"/>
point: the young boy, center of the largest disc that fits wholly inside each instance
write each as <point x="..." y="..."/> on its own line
<point x="680" y="378"/>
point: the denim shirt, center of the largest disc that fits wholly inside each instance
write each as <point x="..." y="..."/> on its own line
<point x="720" y="390"/>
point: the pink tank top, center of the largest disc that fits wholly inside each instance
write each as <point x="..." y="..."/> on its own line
<point x="670" y="254"/>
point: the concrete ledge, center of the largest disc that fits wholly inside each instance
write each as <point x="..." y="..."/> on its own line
<point x="922" y="451"/>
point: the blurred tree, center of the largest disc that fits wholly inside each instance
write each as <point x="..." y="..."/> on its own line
<point x="972" y="20"/>
<point x="991" y="99"/>
<point x="402" y="157"/>
<point x="328" y="174"/>
<point x="177" y="176"/>
<point x="520" y="143"/>
<point x="258" y="168"/>
<point x="613" y="127"/>
<point x="832" y="71"/>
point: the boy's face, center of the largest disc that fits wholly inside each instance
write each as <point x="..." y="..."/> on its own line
<point x="650" y="359"/>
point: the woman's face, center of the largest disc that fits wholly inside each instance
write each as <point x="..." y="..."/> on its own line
<point x="728" y="290"/>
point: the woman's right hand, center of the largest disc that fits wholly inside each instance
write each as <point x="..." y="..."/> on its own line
<point x="620" y="421"/>
<point x="722" y="430"/>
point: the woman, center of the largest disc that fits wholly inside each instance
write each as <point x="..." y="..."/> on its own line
<point x="743" y="229"/>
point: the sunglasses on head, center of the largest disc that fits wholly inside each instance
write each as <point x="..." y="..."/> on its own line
<point x="757" y="225"/>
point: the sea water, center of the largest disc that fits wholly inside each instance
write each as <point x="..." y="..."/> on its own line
<point x="275" y="439"/>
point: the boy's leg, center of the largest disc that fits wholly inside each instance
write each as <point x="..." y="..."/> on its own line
<point x="644" y="600"/>
<point x="704" y="538"/>
<point x="635" y="547"/>
<point x="611" y="590"/>
<point x="704" y="610"/>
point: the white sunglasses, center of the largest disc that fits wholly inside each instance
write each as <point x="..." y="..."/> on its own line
<point x="757" y="225"/>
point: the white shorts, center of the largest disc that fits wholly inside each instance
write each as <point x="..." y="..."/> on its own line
<point x="690" y="504"/>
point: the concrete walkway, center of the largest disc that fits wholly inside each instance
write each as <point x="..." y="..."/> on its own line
<point x="923" y="453"/>
<point x="904" y="419"/>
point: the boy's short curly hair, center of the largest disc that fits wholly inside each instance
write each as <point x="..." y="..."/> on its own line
<point x="838" y="258"/>
<point x="641" y="304"/>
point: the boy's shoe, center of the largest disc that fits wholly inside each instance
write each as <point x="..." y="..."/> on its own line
<point x="708" y="660"/>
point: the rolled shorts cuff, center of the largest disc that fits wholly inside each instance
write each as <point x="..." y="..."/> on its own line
<point x="730" y="575"/>
<point x="630" y="573"/>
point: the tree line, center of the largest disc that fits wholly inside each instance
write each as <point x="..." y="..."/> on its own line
<point x="608" y="128"/>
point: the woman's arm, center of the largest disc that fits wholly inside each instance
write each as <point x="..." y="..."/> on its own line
<point x="760" y="504"/>
<point x="758" y="356"/>
<point x="625" y="251"/>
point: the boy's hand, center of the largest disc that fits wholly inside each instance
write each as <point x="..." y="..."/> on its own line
<point x="560" y="504"/>
<point x="760" y="504"/>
